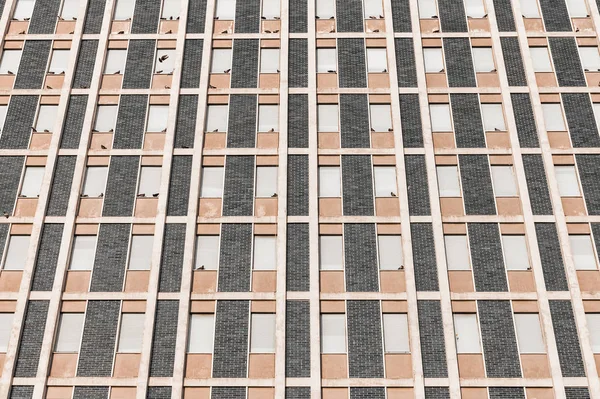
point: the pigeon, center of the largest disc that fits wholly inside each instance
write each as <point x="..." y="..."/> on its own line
<point x="393" y="194"/>
<point x="169" y="31"/>
<point x="155" y="195"/>
<point x="163" y="58"/>
<point x="274" y="195"/>
<point x="33" y="129"/>
<point x="272" y="130"/>
<point x="48" y="87"/>
<point x="227" y="70"/>
<point x="435" y="31"/>
<point x="6" y="214"/>
<point x="267" y="31"/>
<point x="212" y="87"/>
<point x="331" y="71"/>
<point x="103" y="147"/>
<point x="120" y="32"/>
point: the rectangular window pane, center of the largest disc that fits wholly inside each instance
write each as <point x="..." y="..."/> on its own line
<point x="457" y="252"/>
<point x="331" y="252"/>
<point x="10" y="62"/>
<point x="493" y="117"/>
<point x="5" y="328"/>
<point x="582" y="250"/>
<point x="216" y="118"/>
<point x="124" y="9"/>
<point x="46" y="118"/>
<point x="265" y="253"/>
<point x="373" y="8"/>
<point x="262" y="334"/>
<point x="32" y="181"/>
<point x="24" y="9"/>
<point x="448" y="182"/>
<point x="434" y="59"/>
<point x="503" y="179"/>
<point x="271" y="9"/>
<point x="106" y="117"/>
<point x="326" y="60"/>
<point x="483" y="59"/>
<point x="115" y="62"/>
<point x="70" y="10"/>
<point x="577" y="8"/>
<point x="593" y="321"/>
<point x="540" y="59"/>
<point x="225" y="9"/>
<point x="150" y="181"/>
<point x="165" y="61"/>
<point x="325" y="9"/>
<point x="395" y="333"/>
<point x="385" y="181"/>
<point x="328" y="120"/>
<point x="266" y="181"/>
<point x="381" y="117"/>
<point x="59" y="62"/>
<point x="158" y="117"/>
<point x="82" y="255"/>
<point x="330" y="182"/>
<point x="553" y="117"/>
<point x="529" y="333"/>
<point x="69" y="332"/>
<point x="377" y="60"/>
<point x="333" y="333"/>
<point x="440" y="118"/>
<point x="596" y="115"/>
<point x="566" y="176"/>
<point x="269" y="60"/>
<point x="207" y="253"/>
<point x="140" y="256"/>
<point x="95" y="181"/>
<point x="212" y="182"/>
<point x="132" y="331"/>
<point x="221" y="60"/>
<point x="529" y="9"/>
<point x="467" y="333"/>
<point x="268" y="118"/>
<point x="427" y="8"/>
<point x="590" y="59"/>
<point x="515" y="252"/>
<point x="390" y="252"/>
<point x="171" y="9"/>
<point x="16" y="255"/>
<point x="475" y="9"/>
<point x="201" y="335"/>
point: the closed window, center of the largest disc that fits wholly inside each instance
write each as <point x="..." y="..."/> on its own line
<point x="207" y="253"/>
<point x="32" y="182"/>
<point x="448" y="183"/>
<point x="16" y="255"/>
<point x="132" y="331"/>
<point x="326" y="60"/>
<point x="82" y="254"/>
<point x="23" y="9"/>
<point x="381" y="117"/>
<point x="590" y="59"/>
<point x="395" y="333"/>
<point x="577" y="8"/>
<point x="325" y="9"/>
<point x="59" y="62"/>
<point x="69" y="332"/>
<point x="95" y="181"/>
<point x="265" y="252"/>
<point x="171" y="9"/>
<point x="225" y="9"/>
<point x="427" y="8"/>
<point x="212" y="182"/>
<point x="385" y="181"/>
<point x="202" y="332"/>
<point x="221" y="60"/>
<point x="529" y="9"/>
<point x="262" y="333"/>
<point x="373" y="8"/>
<point x="475" y="9"/>
<point x="515" y="252"/>
<point x="596" y="115"/>
<point x="331" y="252"/>
<point x="503" y="179"/>
<point x="376" y="60"/>
<point x="10" y="62"/>
<point x="6" y="320"/>
<point x="46" y="118"/>
<point x="106" y="117"/>
<point x="467" y="333"/>
<point x="124" y="10"/>
<point x="483" y="59"/>
<point x="566" y="177"/>
<point x="493" y="117"/>
<point x="434" y="59"/>
<point x="593" y="321"/>
<point x="70" y="9"/>
<point x="165" y="61"/>
<point x="330" y="181"/>
<point x="457" y="252"/>
<point x="158" y="118"/>
<point x="390" y="252"/>
<point x="268" y="118"/>
<point x="269" y="60"/>
<point x="540" y="59"/>
<point x="441" y="121"/>
<point x="266" y="181"/>
<point x="529" y="333"/>
<point x="140" y="255"/>
<point x="582" y="250"/>
<point x="216" y="118"/>
<point x="3" y="109"/>
<point x="271" y="9"/>
<point x="115" y="62"/>
<point x="333" y="333"/>
<point x="553" y="117"/>
<point x="328" y="120"/>
<point x="150" y="181"/>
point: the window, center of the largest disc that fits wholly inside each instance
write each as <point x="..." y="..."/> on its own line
<point x="82" y="254"/>
<point x="16" y="255"/>
<point x="326" y="60"/>
<point x="395" y="333"/>
<point x="150" y="181"/>
<point x="140" y="255"/>
<point x="325" y="9"/>
<point x="212" y="182"/>
<point x="467" y="333"/>
<point x="165" y="61"/>
<point x="269" y="60"/>
<point x="225" y="9"/>
<point x="483" y="58"/>
<point x="515" y="252"/>
<point x="529" y="9"/>
<point x="5" y="328"/>
<point x="271" y="9"/>
<point x="46" y="117"/>
<point x="216" y="118"/>
<point x="95" y="181"/>
<point x="434" y="59"/>
<point x="132" y="331"/>
<point x="3" y="109"/>
<point x="566" y="177"/>
<point x="553" y="117"/>
<point x="265" y="252"/>
<point x="32" y="182"/>
<point x="328" y="118"/>
<point x="59" y="62"/>
<point x="577" y="8"/>
<point x="596" y="115"/>
<point x="207" y="253"/>
<point x="540" y="59"/>
<point x="115" y="61"/>
<point x="69" y="332"/>
<point x="373" y="8"/>
<point x="593" y="321"/>
<point x="70" y="10"/>
<point x="376" y="60"/>
<point x="23" y="9"/>
<point x="582" y="250"/>
<point x="427" y="8"/>
<point x="448" y="183"/>
<point x="124" y="10"/>
<point x="590" y="59"/>
<point x="440" y="118"/>
<point x="529" y="333"/>
<point x="329" y="181"/>
<point x="385" y="181"/>
<point x="158" y="118"/>
<point x="331" y="252"/>
<point x="381" y="117"/>
<point x="268" y="118"/>
<point x="475" y="9"/>
<point x="266" y="181"/>
<point x="503" y="179"/>
<point x="221" y="60"/>
<point x="201" y="335"/>
<point x="262" y="334"/>
<point x="457" y="252"/>
<point x="171" y="9"/>
<point x="333" y="333"/>
<point x="390" y="252"/>
<point x="10" y="62"/>
<point x="106" y="117"/>
<point x="493" y="117"/>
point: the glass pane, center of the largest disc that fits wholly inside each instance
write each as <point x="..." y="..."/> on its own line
<point x="124" y="10"/>
<point x="265" y="252"/>
<point x="483" y="59"/>
<point x="377" y="60"/>
<point x="373" y="8"/>
<point x="326" y="60"/>
<point x="165" y="61"/>
<point x="434" y="59"/>
<point x="95" y="181"/>
<point x="60" y="61"/>
<point x="515" y="252"/>
<point x="266" y="181"/>
<point x="16" y="254"/>
<point x="32" y="182"/>
<point x="328" y="118"/>
<point x="331" y="252"/>
<point x="333" y="333"/>
<point x="540" y="59"/>
<point x="566" y="176"/>
<point x="106" y="117"/>
<point x="216" y="118"/>
<point x="5" y="329"/>
<point x="268" y="118"/>
<point x="262" y="335"/>
<point x="385" y="181"/>
<point x="427" y="8"/>
<point x="493" y="117"/>
<point x="529" y="333"/>
<point x="171" y="9"/>
<point x="381" y="117"/>
<point x="390" y="252"/>
<point x="467" y="333"/>
<point x="577" y="8"/>
<point x="329" y="181"/>
<point x="69" y="332"/>
<point x="269" y="60"/>
<point x="115" y="61"/>
<point x="457" y="252"/>
<point x="158" y="118"/>
<point x="221" y="60"/>
<point x="395" y="333"/>
<point x="440" y="118"/>
<point x="207" y="253"/>
<point x="201" y="335"/>
<point x="590" y="59"/>
<point x="503" y="178"/>
<point x="82" y="255"/>
<point x="46" y="118"/>
<point x="150" y="181"/>
<point x="448" y="183"/>
<point x="212" y="182"/>
<point x="553" y="117"/>
<point x="475" y="9"/>
<point x="583" y="252"/>
<point x="271" y="9"/>
<point x="10" y="62"/>
<point x="140" y="257"/>
<point x="132" y="331"/>
<point x="225" y="9"/>
<point x="325" y="9"/>
<point x="70" y="9"/>
<point x="23" y="9"/>
<point x="593" y="321"/>
<point x="529" y="9"/>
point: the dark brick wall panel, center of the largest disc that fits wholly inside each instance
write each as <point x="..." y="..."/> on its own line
<point x="192" y="63"/>
<point x="3" y="236"/>
<point x="185" y="129"/>
<point x="196" y="18"/>
<point x="43" y="20"/>
<point x="477" y="185"/>
<point x="567" y="342"/>
<point x="581" y="121"/>
<point x="131" y="122"/>
<point x="236" y="257"/>
<point x="30" y="342"/>
<point x="506" y="393"/>
<point x="98" y="340"/>
<point x="73" y="125"/>
<point x="90" y="393"/>
<point x="84" y="68"/>
<point x="437" y="393"/>
<point x="360" y="249"/>
<point x="228" y="393"/>
<point x="121" y="186"/>
<point x="577" y="393"/>
<point x="418" y="189"/>
<point x="244" y="70"/>
<point x="431" y="331"/>
<point x="297" y="185"/>
<point x="424" y="262"/>
<point x="93" y="16"/>
<point x="162" y="359"/>
<point x="357" y="183"/>
<point x="487" y="257"/>
<point x="367" y="393"/>
<point x="238" y="193"/>
<point x="298" y="121"/>
<point x="513" y="61"/>
<point x="298" y="257"/>
<point x="297" y="339"/>
<point x="566" y="61"/>
<point x="171" y="263"/>
<point x="410" y="118"/>
<point x="111" y="258"/>
<point x="405" y="62"/>
<point x="365" y="349"/>
<point x="525" y="121"/>
<point x="551" y="257"/>
<point x="32" y="68"/>
<point x="19" y="120"/>
<point x="352" y="69"/>
<point x="247" y="16"/>
<point x="595" y="232"/>
<point x="298" y="63"/>
<point x="140" y="61"/>
<point x="468" y="127"/>
<point x="297" y="392"/>
<point x="459" y="62"/>
<point x="298" y="15"/>
<point x="179" y="185"/>
<point x="354" y="121"/>
<point x="349" y="15"/>
<point x="537" y="185"/>
<point x="504" y="15"/>
<point x="146" y="16"/>
<point x="47" y="257"/>
<point x="589" y="170"/>
<point x="401" y="16"/>
<point x="452" y="16"/>
<point x="159" y="393"/>
<point x="10" y="175"/>
<point x="21" y="392"/>
<point x="241" y="129"/>
<point x="231" y="340"/>
<point x="556" y="16"/>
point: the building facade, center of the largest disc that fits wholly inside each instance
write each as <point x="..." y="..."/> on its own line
<point x="336" y="199"/>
